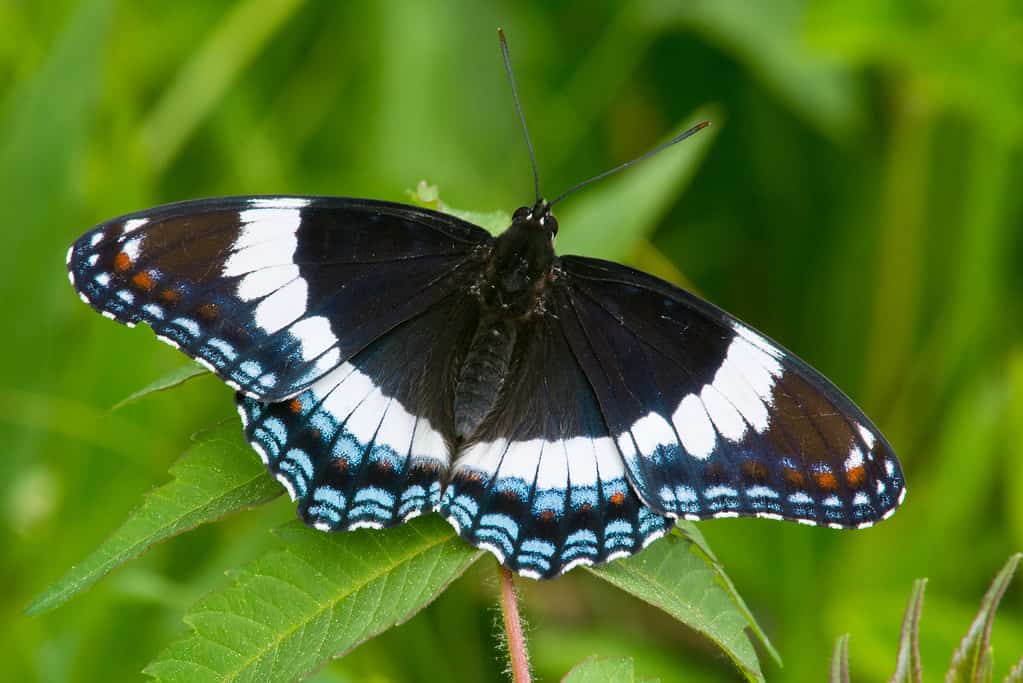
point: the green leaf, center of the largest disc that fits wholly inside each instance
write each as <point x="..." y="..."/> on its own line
<point x="602" y="670"/>
<point x="428" y="196"/>
<point x="971" y="662"/>
<point x="908" y="668"/>
<point x="692" y="532"/>
<point x="840" y="660"/>
<point x="290" y="611"/>
<point x="216" y="477"/>
<point x="168" y="381"/>
<point x="608" y="220"/>
<point x="679" y="576"/>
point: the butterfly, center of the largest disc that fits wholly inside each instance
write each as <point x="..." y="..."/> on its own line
<point x="391" y="361"/>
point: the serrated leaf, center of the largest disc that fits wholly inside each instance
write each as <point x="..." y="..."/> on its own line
<point x="971" y="662"/>
<point x="170" y="380"/>
<point x="290" y="611"/>
<point x="214" y="478"/>
<point x="908" y="668"/>
<point x="607" y="220"/>
<point x="602" y="670"/>
<point x="692" y="532"/>
<point x="840" y="660"/>
<point x="678" y="576"/>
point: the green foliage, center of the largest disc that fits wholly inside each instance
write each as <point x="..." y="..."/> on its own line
<point x="168" y="381"/>
<point x="602" y="670"/>
<point x="320" y="596"/>
<point x="907" y="667"/>
<point x="608" y="220"/>
<point x="681" y="577"/>
<point x="973" y="660"/>
<point x="218" y="476"/>
<point x="840" y="661"/>
<point x="337" y="590"/>
<point x="858" y="202"/>
<point x="221" y="475"/>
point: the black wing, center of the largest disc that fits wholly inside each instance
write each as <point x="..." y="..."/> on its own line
<point x="368" y="444"/>
<point x="712" y="418"/>
<point x="542" y="485"/>
<point x="272" y="293"/>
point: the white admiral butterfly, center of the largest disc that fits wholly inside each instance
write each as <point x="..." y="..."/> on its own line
<point x="391" y="361"/>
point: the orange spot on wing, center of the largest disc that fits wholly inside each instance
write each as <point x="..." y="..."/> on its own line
<point x="122" y="262"/>
<point x="547" y="515"/>
<point x="618" y="498"/>
<point x="295" y="406"/>
<point x="826" y="480"/>
<point x="794" y="478"/>
<point x="754" y="470"/>
<point x="170" y="295"/>
<point x="143" y="280"/>
<point x="855" y="476"/>
<point x="341" y="464"/>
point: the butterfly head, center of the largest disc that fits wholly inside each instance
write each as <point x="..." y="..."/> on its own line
<point x="537" y="217"/>
<point x="521" y="260"/>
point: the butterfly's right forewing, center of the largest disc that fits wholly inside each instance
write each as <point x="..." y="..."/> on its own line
<point x="272" y="293"/>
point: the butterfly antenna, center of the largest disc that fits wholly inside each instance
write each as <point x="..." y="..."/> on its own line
<point x="663" y="146"/>
<point x="518" y="108"/>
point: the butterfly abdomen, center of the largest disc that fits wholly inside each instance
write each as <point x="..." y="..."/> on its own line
<point x="483" y="372"/>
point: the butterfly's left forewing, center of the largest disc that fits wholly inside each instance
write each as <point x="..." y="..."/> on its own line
<point x="713" y="419"/>
<point x="273" y="293"/>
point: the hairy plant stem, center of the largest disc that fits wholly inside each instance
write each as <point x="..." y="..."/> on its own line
<point x="514" y="638"/>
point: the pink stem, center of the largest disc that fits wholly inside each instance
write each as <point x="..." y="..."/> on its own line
<point x="513" y="628"/>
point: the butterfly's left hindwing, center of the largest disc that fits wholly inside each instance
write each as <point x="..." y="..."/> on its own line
<point x="713" y="419"/>
<point x="272" y="293"/>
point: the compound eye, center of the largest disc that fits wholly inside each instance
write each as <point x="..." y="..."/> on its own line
<point x="521" y="212"/>
<point x="551" y="223"/>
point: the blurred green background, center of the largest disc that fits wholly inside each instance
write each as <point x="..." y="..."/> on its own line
<point x="860" y="202"/>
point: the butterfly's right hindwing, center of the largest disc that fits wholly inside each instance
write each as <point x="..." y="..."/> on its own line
<point x="272" y="293"/>
<point x="367" y="445"/>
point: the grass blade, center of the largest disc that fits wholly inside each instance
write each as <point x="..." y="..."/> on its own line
<point x="205" y="79"/>
<point x="840" y="660"/>
<point x="606" y="222"/>
<point x="908" y="668"/>
<point x="971" y="662"/>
